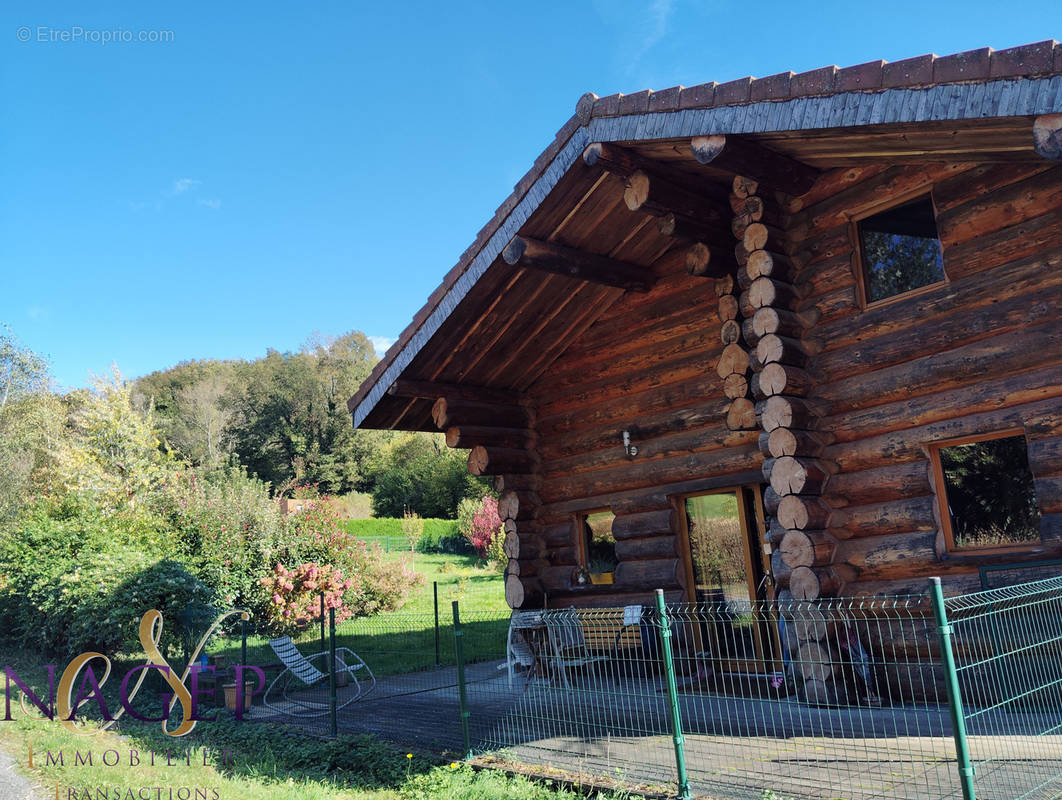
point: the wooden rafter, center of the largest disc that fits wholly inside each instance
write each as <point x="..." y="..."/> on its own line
<point x="559" y="260"/>
<point x="436" y="389"/>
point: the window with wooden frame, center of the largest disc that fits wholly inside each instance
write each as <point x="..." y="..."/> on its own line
<point x="597" y="545"/>
<point x="898" y="250"/>
<point x="987" y="493"/>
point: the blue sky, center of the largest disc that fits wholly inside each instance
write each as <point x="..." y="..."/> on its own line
<point x="277" y="169"/>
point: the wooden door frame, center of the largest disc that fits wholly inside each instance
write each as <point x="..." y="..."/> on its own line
<point x="755" y="530"/>
<point x="753" y="550"/>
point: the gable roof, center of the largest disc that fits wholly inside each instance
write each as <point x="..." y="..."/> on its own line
<point x="975" y="85"/>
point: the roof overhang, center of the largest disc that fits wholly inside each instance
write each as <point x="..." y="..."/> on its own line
<point x="978" y="103"/>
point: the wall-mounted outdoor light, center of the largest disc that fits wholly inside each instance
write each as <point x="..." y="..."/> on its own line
<point x="627" y="446"/>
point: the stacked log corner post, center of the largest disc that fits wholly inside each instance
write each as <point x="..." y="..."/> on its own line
<point x="501" y="443"/>
<point x="523" y="545"/>
<point x="802" y="551"/>
<point x="733" y="365"/>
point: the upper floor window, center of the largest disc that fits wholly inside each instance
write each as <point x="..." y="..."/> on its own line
<point x="987" y="492"/>
<point x="899" y="250"/>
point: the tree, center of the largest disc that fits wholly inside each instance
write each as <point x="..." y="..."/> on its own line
<point x="418" y="473"/>
<point x="290" y="421"/>
<point x="32" y="424"/>
<point x="22" y="371"/>
<point x="190" y="408"/>
<point x="116" y="452"/>
<point x="200" y="409"/>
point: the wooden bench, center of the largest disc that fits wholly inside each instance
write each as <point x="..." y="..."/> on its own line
<point x="612" y="630"/>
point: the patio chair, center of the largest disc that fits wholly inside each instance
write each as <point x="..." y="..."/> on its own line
<point x="518" y="650"/>
<point x="300" y="674"/>
<point x="568" y="643"/>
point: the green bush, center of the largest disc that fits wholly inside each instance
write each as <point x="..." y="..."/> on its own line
<point x="77" y="579"/>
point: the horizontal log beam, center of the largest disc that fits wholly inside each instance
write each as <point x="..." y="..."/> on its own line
<point x="453" y="391"/>
<point x="447" y="413"/>
<point x="761" y="164"/>
<point x="495" y="460"/>
<point x="553" y="258"/>
<point x="620" y="161"/>
<point x="660" y="197"/>
<point x="679" y="227"/>
<point x="465" y="437"/>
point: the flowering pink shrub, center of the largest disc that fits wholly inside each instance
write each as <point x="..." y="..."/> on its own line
<point x="486" y="525"/>
<point x="295" y="594"/>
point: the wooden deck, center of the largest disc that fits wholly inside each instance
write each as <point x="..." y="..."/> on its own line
<point x="735" y="747"/>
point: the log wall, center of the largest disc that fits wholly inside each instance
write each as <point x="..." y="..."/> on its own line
<point x="848" y="398"/>
<point x="979" y="353"/>
<point x="651" y="368"/>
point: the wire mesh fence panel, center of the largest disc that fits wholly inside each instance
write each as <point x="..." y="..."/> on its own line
<point x="820" y="700"/>
<point x="1008" y="653"/>
<point x="841" y="698"/>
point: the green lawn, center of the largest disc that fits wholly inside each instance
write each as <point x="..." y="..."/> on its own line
<point x="479" y="589"/>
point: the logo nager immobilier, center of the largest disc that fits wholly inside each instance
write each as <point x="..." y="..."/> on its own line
<point x="63" y="702"/>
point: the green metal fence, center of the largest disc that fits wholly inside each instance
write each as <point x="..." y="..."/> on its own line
<point x="901" y="697"/>
<point x="1008" y="666"/>
<point x="850" y="698"/>
<point x="407" y="690"/>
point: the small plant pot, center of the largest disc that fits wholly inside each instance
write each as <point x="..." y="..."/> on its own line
<point x="602" y="578"/>
<point x="230" y="696"/>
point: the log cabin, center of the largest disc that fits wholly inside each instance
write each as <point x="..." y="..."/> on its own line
<point x="785" y="337"/>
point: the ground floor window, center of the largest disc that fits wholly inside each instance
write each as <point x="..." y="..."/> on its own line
<point x="987" y="492"/>
<point x="597" y="546"/>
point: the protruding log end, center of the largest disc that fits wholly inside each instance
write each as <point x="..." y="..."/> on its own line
<point x="707" y="148"/>
<point x="744" y="187"/>
<point x="698" y="257"/>
<point x="1047" y="136"/>
<point x="514" y="251"/>
<point x="741" y="416"/>
<point x="584" y="108"/>
<point x="637" y="190"/>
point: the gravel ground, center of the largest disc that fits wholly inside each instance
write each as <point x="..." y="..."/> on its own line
<point x="12" y="785"/>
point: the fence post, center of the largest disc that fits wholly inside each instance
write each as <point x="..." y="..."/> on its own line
<point x="672" y="696"/>
<point x="334" y="723"/>
<point x="435" y="592"/>
<point x="951" y="677"/>
<point x="323" y="645"/>
<point x="243" y="637"/>
<point x="462" y="692"/>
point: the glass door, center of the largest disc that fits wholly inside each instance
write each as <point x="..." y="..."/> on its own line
<point x="727" y="571"/>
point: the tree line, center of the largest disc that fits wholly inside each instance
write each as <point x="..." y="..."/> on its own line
<point x="283" y="418"/>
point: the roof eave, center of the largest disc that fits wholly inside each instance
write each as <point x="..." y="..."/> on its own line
<point x="1019" y="96"/>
